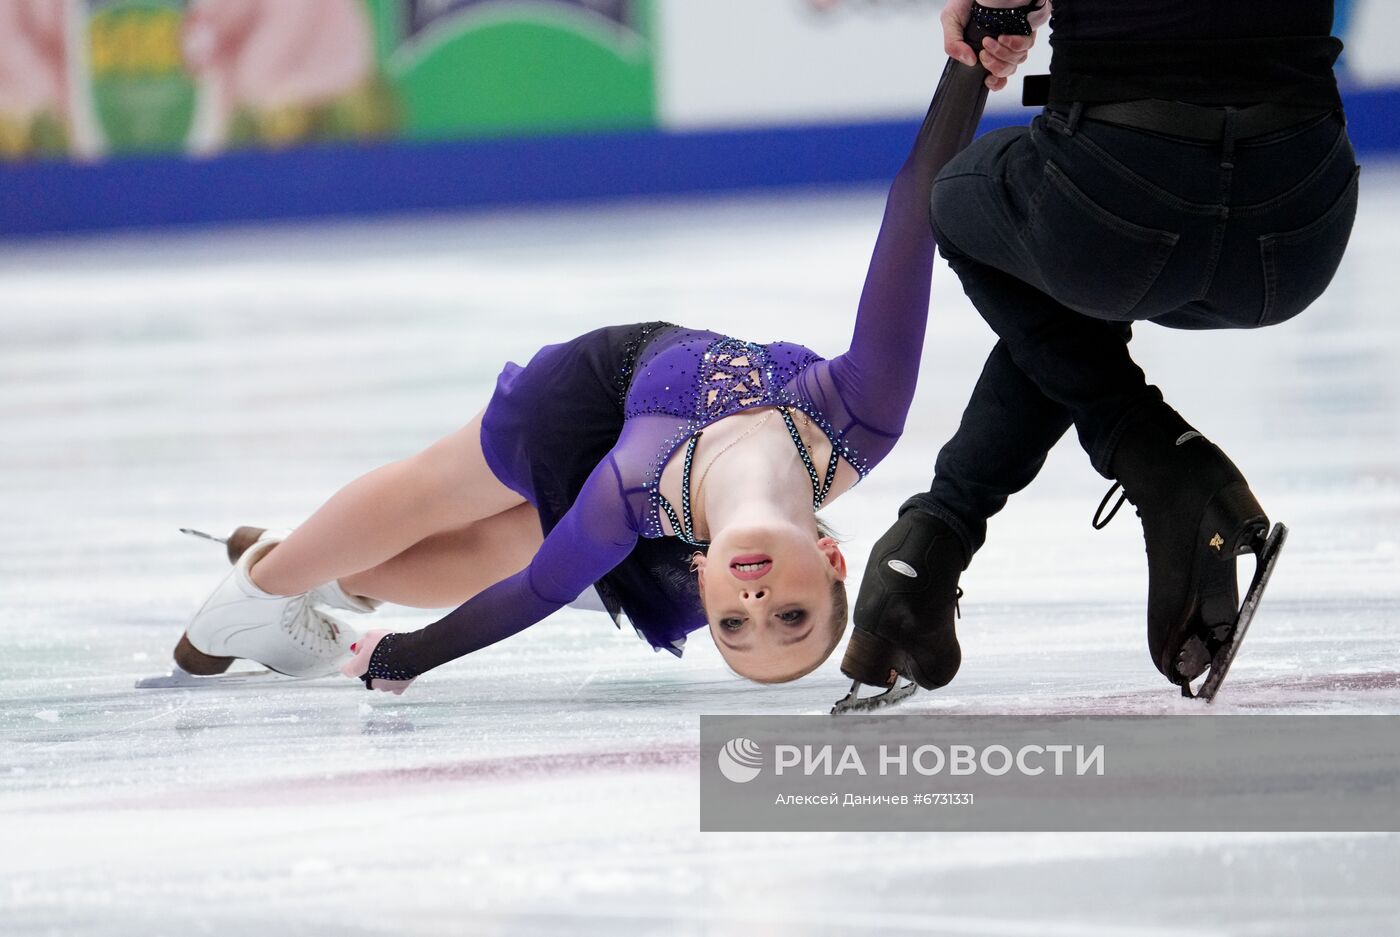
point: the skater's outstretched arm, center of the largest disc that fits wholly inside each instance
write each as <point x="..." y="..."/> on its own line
<point x="596" y="534"/>
<point x="875" y="379"/>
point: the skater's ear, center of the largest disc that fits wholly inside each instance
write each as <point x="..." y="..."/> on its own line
<point x="834" y="557"/>
<point x="830" y="545"/>
<point x="697" y="566"/>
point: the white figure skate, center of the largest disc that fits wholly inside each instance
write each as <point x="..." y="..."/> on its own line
<point x="286" y="634"/>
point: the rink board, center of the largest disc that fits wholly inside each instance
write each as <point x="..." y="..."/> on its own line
<point x="470" y="104"/>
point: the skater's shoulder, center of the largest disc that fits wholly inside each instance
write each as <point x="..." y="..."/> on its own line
<point x="699" y="345"/>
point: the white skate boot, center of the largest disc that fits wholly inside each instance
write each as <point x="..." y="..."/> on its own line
<point x="286" y="634"/>
<point x="331" y="595"/>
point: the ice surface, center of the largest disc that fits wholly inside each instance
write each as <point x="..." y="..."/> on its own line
<point x="549" y="785"/>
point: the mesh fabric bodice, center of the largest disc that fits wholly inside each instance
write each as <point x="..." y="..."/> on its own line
<point x="688" y="379"/>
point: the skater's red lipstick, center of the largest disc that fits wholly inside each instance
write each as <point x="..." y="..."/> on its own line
<point x="758" y="565"/>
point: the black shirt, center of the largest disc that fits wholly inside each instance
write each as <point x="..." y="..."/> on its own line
<point x="1208" y="52"/>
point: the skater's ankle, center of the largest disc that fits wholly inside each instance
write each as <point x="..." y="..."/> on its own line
<point x="356" y="592"/>
<point x="938" y="516"/>
<point x="264" y="577"/>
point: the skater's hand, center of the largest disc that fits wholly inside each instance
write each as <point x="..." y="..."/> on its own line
<point x="358" y="666"/>
<point x="1000" y="56"/>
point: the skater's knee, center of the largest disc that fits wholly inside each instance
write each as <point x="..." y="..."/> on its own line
<point x="947" y="206"/>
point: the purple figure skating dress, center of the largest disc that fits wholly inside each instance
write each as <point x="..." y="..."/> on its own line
<point x="585" y="429"/>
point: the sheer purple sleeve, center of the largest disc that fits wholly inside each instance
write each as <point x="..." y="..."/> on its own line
<point x="874" y="381"/>
<point x="596" y="534"/>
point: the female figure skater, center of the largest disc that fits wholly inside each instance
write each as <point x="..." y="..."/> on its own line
<point x="623" y="459"/>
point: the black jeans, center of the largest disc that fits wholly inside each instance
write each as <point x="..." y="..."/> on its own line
<point x="1067" y="232"/>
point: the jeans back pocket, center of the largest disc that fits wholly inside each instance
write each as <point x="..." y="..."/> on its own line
<point x="1090" y="259"/>
<point x="1299" y="264"/>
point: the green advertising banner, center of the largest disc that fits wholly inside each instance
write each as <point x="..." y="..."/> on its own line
<point x="94" y="78"/>
<point x="492" y="67"/>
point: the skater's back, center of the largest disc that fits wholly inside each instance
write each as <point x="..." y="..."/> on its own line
<point x="1195" y="51"/>
<point x="1189" y="19"/>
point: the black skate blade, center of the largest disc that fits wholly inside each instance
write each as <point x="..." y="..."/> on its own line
<point x="855" y="703"/>
<point x="1225" y="656"/>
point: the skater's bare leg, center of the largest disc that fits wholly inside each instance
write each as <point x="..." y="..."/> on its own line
<point x="447" y="486"/>
<point x="450" y="567"/>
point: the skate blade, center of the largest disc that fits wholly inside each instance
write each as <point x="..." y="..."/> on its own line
<point x="855" y="703"/>
<point x="235" y="544"/>
<point x="1225" y="656"/>
<point x="180" y="679"/>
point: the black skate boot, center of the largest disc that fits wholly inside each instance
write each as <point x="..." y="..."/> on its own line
<point x="1198" y="515"/>
<point x="905" y="613"/>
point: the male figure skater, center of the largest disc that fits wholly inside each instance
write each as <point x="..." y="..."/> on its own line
<point x="1192" y="169"/>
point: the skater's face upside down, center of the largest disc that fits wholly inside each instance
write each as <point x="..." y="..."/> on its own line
<point x="775" y="598"/>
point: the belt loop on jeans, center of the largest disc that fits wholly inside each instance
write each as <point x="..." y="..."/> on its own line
<point x="1076" y="112"/>
<point x="1227" y="139"/>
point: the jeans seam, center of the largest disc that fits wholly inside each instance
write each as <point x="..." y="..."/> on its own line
<point x="1105" y="159"/>
<point x="1162" y="243"/>
<point x="1266" y="257"/>
<point x="1217" y="249"/>
<point x="1318" y="223"/>
<point x="1286" y="134"/>
<point x="1282" y="198"/>
<point x="1111" y="219"/>
<point x="1268" y="243"/>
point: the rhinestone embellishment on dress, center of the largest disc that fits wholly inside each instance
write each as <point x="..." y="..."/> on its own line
<point x="733" y="375"/>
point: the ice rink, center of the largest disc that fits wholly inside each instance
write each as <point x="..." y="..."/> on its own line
<point x="549" y="785"/>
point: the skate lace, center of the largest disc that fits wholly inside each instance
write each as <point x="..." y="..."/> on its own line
<point x="1100" y="524"/>
<point x="312" y="628"/>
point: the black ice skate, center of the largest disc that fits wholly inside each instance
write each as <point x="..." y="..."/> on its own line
<point x="905" y="614"/>
<point x="1198" y="515"/>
